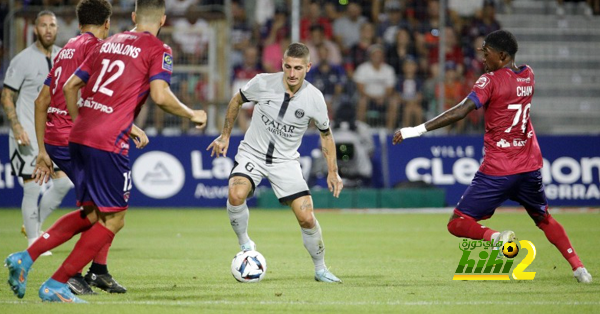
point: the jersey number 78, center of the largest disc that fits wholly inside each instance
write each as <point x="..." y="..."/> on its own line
<point x="524" y="112"/>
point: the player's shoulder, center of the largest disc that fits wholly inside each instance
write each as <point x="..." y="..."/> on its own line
<point x="23" y="57"/>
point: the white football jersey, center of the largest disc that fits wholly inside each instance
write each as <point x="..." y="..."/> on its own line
<point x="278" y="121"/>
<point x="25" y="75"/>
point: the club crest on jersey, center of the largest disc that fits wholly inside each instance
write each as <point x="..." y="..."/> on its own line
<point x="299" y="113"/>
<point x="167" y="63"/>
<point x="482" y="81"/>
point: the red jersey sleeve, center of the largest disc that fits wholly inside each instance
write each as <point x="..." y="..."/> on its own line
<point x="482" y="91"/>
<point x="85" y="69"/>
<point x="161" y="64"/>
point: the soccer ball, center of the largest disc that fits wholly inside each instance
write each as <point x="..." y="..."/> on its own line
<point x="248" y="266"/>
<point x="510" y="249"/>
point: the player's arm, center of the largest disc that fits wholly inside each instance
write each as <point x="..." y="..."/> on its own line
<point x="456" y="113"/>
<point x="334" y="181"/>
<point x="220" y="145"/>
<point x="139" y="137"/>
<point x="44" y="168"/>
<point x="9" y="97"/>
<point x="161" y="94"/>
<point x="70" y="91"/>
<point x="42" y="102"/>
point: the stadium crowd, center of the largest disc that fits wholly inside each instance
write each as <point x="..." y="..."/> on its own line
<point x="375" y="58"/>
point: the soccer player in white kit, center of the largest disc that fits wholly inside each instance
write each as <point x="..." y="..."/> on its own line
<point x="285" y="104"/>
<point x="24" y="79"/>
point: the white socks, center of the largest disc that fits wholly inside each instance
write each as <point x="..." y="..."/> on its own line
<point x="29" y="209"/>
<point x="313" y="242"/>
<point x="53" y="197"/>
<point x="238" y="217"/>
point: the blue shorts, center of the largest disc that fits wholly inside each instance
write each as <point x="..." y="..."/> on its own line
<point x="102" y="178"/>
<point x="486" y="193"/>
<point x="61" y="156"/>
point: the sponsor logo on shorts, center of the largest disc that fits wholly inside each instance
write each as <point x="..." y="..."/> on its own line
<point x="158" y="174"/>
<point x="249" y="167"/>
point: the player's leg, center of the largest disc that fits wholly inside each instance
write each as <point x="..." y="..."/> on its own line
<point x="105" y="176"/>
<point x="245" y="176"/>
<point x="30" y="209"/>
<point x="22" y="161"/>
<point x="312" y="237"/>
<point x="532" y="196"/>
<point x="52" y="198"/>
<point x="61" y="231"/>
<point x="237" y="210"/>
<point x="61" y="156"/>
<point x="291" y="189"/>
<point x="479" y="202"/>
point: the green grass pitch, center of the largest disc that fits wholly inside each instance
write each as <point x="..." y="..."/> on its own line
<point x="178" y="261"/>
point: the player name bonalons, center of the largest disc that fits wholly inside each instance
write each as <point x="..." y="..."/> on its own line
<point x="120" y="49"/>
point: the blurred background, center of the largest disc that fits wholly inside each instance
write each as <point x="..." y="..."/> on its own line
<point x="381" y="65"/>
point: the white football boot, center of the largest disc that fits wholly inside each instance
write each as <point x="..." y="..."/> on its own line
<point x="248" y="246"/>
<point x="582" y="275"/>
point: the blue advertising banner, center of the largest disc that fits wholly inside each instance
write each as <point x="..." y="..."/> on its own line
<point x="179" y="172"/>
<point x="169" y="172"/>
<point x="571" y="166"/>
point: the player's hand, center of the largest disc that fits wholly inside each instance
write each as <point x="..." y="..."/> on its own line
<point x="199" y="118"/>
<point x="21" y="135"/>
<point x="397" y="137"/>
<point x="139" y="137"/>
<point x="334" y="183"/>
<point x="44" y="168"/>
<point x="219" y="146"/>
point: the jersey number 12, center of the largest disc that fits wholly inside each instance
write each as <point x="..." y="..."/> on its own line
<point x="107" y="66"/>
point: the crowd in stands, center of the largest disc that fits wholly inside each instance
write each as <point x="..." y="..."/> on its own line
<point x="375" y="58"/>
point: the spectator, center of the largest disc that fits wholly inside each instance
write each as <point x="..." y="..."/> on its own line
<point x="358" y="53"/>
<point x="387" y="29"/>
<point x="410" y="88"/>
<point x="241" y="33"/>
<point x="179" y="7"/>
<point x="346" y="29"/>
<point x="273" y="54"/>
<point x="454" y="91"/>
<point x="453" y="52"/>
<point x="192" y="34"/>
<point x="317" y="38"/>
<point x="242" y="74"/>
<point x="277" y="28"/>
<point x="314" y="16"/>
<point x="375" y="82"/>
<point x="403" y="49"/>
<point x="330" y="79"/>
<point x="487" y="23"/>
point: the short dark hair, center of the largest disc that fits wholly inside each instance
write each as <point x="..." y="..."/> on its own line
<point x="297" y="50"/>
<point x="93" y="12"/>
<point x="42" y="13"/>
<point x="502" y="40"/>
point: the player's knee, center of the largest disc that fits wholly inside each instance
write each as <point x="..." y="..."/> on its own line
<point x="62" y="185"/>
<point x="307" y="222"/>
<point x="236" y="198"/>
